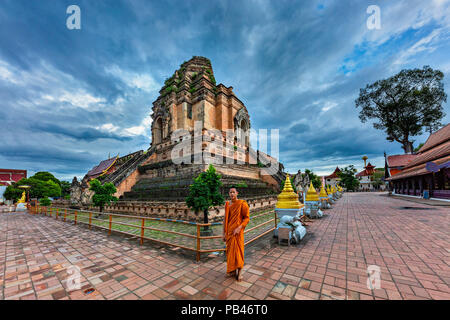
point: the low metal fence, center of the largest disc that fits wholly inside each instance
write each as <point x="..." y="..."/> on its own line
<point x="177" y="233"/>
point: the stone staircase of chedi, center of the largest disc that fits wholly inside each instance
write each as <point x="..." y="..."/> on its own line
<point x="127" y="168"/>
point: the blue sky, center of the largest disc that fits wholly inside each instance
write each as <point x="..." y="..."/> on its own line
<point x="68" y="98"/>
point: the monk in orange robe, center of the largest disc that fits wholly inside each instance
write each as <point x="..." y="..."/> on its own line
<point x="236" y="218"/>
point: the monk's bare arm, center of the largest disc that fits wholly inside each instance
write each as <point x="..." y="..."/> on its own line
<point x="225" y="222"/>
<point x="245" y="214"/>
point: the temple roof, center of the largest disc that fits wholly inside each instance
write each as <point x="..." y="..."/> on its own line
<point x="102" y="167"/>
<point x="436" y="150"/>
<point x="400" y="160"/>
<point x="334" y="174"/>
<point x="368" y="171"/>
<point x="439" y="137"/>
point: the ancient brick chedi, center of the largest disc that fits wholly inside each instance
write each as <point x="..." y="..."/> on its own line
<point x="193" y="118"/>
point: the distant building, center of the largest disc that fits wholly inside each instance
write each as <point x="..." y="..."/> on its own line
<point x="429" y="172"/>
<point x="9" y="176"/>
<point x="364" y="177"/>
<point x="333" y="178"/>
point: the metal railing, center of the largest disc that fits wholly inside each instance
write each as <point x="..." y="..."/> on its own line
<point x="176" y="233"/>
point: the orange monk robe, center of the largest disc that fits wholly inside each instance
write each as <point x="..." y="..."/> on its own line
<point x="237" y="214"/>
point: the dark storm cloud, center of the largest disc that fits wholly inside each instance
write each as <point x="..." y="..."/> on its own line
<point x="79" y="133"/>
<point x="297" y="65"/>
<point x="39" y="156"/>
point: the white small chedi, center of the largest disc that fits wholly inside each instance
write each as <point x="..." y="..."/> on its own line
<point x="289" y="210"/>
<point x="323" y="198"/>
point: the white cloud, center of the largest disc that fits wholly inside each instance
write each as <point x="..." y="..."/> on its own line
<point x="142" y="129"/>
<point x="137" y="80"/>
<point x="428" y="43"/>
<point x="6" y="73"/>
<point x="108" y="127"/>
<point x="80" y="99"/>
<point x="328" y="106"/>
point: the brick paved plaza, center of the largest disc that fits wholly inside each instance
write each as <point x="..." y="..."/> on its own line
<point x="410" y="246"/>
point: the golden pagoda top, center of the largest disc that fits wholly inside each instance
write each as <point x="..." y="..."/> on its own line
<point x="312" y="195"/>
<point x="328" y="189"/>
<point x="323" y="193"/>
<point x="333" y="189"/>
<point x="288" y="199"/>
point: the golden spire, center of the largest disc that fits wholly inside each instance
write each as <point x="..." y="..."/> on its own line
<point x="311" y="195"/>
<point x="288" y="199"/>
<point x="328" y="189"/>
<point x="333" y="189"/>
<point x="323" y="193"/>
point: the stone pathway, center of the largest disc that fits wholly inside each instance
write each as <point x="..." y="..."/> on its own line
<point x="411" y="247"/>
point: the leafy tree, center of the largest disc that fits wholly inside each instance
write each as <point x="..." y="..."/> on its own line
<point x="103" y="193"/>
<point x="416" y="149"/>
<point x="39" y="189"/>
<point x="51" y="189"/>
<point x="348" y="179"/>
<point x="65" y="188"/>
<point x="45" y="202"/>
<point x="12" y="193"/>
<point x="204" y="193"/>
<point x="404" y="104"/>
<point x="315" y="179"/>
<point x="377" y="178"/>
<point x="45" y="176"/>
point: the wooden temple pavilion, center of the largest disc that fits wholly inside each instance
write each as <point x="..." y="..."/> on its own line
<point x="429" y="170"/>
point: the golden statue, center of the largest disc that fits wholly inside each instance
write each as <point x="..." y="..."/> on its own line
<point x="23" y="199"/>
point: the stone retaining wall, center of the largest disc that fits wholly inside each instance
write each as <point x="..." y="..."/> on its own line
<point x="179" y="210"/>
<point x="174" y="210"/>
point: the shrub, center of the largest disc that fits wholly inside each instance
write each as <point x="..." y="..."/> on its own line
<point x="242" y="185"/>
<point x="45" y="202"/>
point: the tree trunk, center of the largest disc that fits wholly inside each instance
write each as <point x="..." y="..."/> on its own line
<point x="407" y="146"/>
<point x="205" y="219"/>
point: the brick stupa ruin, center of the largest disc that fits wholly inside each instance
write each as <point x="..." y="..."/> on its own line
<point x="189" y="100"/>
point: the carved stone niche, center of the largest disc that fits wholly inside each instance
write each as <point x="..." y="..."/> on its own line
<point x="160" y="124"/>
<point x="242" y="127"/>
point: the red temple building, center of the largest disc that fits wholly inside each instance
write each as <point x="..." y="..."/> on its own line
<point x="333" y="178"/>
<point x="9" y="176"/>
<point x="364" y="177"/>
<point x="429" y="172"/>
